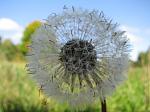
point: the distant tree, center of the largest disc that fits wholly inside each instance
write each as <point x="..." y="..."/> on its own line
<point x="8" y="50"/>
<point x="0" y="39"/>
<point x="26" y="40"/>
<point x="143" y="58"/>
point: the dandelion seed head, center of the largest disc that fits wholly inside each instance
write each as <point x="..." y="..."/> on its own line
<point x="78" y="56"/>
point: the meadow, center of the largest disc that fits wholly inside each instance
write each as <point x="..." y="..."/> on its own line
<point x="18" y="93"/>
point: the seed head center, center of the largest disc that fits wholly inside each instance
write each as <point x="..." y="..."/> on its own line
<point x="78" y="56"/>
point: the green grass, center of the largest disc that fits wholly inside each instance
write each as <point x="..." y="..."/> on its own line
<point x="18" y="93"/>
<point x="130" y="97"/>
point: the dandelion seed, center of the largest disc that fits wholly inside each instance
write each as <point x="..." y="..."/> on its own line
<point x="78" y="56"/>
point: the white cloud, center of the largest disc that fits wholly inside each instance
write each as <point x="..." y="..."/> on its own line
<point x="147" y="31"/>
<point x="130" y="29"/>
<point x="130" y="32"/>
<point x="137" y="39"/>
<point x="10" y="29"/>
<point x="135" y="42"/>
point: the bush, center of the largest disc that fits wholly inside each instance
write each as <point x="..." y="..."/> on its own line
<point x="10" y="52"/>
<point x="26" y="40"/>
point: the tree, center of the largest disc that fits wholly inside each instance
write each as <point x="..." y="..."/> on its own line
<point x="26" y="40"/>
<point x="0" y="39"/>
<point x="8" y="50"/>
<point x="143" y="58"/>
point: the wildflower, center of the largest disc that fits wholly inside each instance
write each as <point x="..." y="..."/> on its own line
<point x="78" y="56"/>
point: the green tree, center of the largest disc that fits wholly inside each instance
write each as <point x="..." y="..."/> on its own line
<point x="8" y="50"/>
<point x="143" y="58"/>
<point x="26" y="40"/>
<point x="0" y="39"/>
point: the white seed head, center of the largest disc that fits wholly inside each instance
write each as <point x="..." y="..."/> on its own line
<point x="78" y="56"/>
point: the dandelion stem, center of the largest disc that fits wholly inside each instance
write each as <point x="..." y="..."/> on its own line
<point x="103" y="106"/>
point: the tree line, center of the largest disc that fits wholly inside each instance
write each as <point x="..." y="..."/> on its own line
<point x="11" y="52"/>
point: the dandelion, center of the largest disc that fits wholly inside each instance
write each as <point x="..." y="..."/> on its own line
<point x="78" y="56"/>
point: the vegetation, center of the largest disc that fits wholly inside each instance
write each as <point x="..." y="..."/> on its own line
<point x="9" y="51"/>
<point x="143" y="58"/>
<point x="26" y="39"/>
<point x="19" y="93"/>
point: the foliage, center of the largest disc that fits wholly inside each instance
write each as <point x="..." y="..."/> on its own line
<point x="20" y="94"/>
<point x="143" y="59"/>
<point x="9" y="51"/>
<point x="130" y="97"/>
<point x="29" y="30"/>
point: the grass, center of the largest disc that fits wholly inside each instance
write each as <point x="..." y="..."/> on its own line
<point x="18" y="93"/>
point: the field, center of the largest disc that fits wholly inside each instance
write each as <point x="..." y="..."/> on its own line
<point x="18" y="93"/>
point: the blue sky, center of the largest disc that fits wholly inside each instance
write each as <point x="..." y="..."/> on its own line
<point x="132" y="15"/>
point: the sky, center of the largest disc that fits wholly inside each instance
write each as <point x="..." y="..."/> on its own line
<point x="132" y="15"/>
